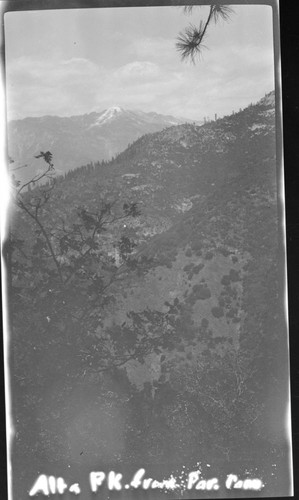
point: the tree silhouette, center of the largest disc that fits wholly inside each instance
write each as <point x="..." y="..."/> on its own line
<point x="190" y="41"/>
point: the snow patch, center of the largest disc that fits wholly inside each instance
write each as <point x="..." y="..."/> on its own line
<point x="108" y="115"/>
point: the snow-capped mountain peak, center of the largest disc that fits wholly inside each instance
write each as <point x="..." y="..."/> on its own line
<point x="109" y="114"/>
<point x="114" y="110"/>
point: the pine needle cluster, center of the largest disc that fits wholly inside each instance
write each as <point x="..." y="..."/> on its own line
<point x="190" y="42"/>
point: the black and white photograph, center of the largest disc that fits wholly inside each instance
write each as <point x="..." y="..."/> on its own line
<point x="145" y="308"/>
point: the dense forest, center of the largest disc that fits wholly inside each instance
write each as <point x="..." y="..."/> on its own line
<point x="146" y="311"/>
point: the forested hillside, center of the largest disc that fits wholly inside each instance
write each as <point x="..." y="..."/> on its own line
<point x="147" y="310"/>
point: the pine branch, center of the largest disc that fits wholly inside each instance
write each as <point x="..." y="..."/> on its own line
<point x="190" y="42"/>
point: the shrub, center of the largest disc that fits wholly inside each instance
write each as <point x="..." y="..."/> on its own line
<point x="224" y="251"/>
<point x="201" y="292"/>
<point x="204" y="323"/>
<point x="198" y="268"/>
<point x="196" y="246"/>
<point x="225" y="280"/>
<point x="232" y="312"/>
<point x="188" y="268"/>
<point x="217" y="312"/>
<point x="234" y="275"/>
<point x="236" y="320"/>
<point x="221" y="302"/>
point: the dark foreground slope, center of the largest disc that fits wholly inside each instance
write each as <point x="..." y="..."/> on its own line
<point x="202" y="323"/>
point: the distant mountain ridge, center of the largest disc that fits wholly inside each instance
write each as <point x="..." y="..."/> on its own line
<point x="78" y="140"/>
<point x="175" y="171"/>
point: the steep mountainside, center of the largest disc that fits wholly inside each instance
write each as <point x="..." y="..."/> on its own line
<point x="79" y="140"/>
<point x="192" y="324"/>
<point x="210" y="195"/>
<point x="208" y="199"/>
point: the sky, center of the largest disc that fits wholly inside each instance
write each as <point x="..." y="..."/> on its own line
<point x="75" y="61"/>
